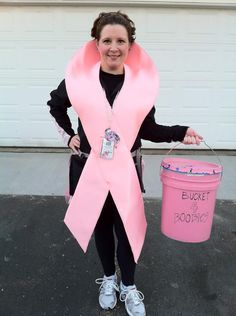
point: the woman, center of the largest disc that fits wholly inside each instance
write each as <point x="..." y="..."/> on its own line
<point x="112" y="85"/>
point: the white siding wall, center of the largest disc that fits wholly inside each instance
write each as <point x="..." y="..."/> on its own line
<point x="194" y="50"/>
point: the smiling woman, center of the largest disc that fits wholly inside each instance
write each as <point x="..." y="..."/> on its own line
<point x="113" y="47"/>
<point x="114" y="34"/>
<point x="112" y="85"/>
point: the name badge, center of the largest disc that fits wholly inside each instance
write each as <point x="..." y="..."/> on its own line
<point x="107" y="150"/>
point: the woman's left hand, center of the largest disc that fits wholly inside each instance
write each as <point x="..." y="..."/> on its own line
<point x="191" y="137"/>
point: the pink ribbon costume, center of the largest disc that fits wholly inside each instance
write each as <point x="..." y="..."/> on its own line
<point x="119" y="176"/>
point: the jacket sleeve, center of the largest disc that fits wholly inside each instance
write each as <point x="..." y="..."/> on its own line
<point x="59" y="103"/>
<point x="156" y="133"/>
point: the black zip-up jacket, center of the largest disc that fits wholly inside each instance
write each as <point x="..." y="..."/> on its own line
<point x="149" y="130"/>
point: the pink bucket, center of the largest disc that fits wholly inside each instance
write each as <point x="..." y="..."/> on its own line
<point x="188" y="198"/>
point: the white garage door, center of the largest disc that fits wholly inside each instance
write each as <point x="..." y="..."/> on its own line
<point x="194" y="50"/>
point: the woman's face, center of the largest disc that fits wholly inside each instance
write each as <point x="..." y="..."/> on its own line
<point x="113" y="47"/>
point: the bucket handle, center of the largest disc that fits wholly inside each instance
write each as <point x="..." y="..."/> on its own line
<point x="202" y="141"/>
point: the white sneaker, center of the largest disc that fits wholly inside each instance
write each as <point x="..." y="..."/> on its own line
<point x="108" y="288"/>
<point x="133" y="300"/>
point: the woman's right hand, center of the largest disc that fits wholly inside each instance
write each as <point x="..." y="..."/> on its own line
<point x="74" y="143"/>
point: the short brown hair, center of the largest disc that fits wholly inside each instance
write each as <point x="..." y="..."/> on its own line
<point x="113" y="18"/>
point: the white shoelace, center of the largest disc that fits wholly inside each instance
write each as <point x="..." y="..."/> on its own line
<point x="134" y="294"/>
<point x="108" y="285"/>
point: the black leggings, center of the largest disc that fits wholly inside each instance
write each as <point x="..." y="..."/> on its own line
<point x="105" y="243"/>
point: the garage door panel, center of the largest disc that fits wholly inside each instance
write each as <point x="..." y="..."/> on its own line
<point x="227" y="99"/>
<point x="70" y="21"/>
<point x="8" y="59"/>
<point x="162" y="22"/>
<point x="39" y="21"/>
<point x="229" y="26"/>
<point x="167" y="98"/>
<point x="7" y="23"/>
<point x="10" y="130"/>
<point x="39" y="58"/>
<point x="230" y="127"/>
<point x="199" y="61"/>
<point x="8" y="96"/>
<point x="38" y="128"/>
<point x="36" y="96"/>
<point x="166" y="58"/>
<point x="225" y="116"/>
<point x="36" y="21"/>
<point x="230" y="62"/>
<point x="196" y="98"/>
<point x="202" y="23"/>
<point x="36" y="114"/>
<point x="70" y="50"/>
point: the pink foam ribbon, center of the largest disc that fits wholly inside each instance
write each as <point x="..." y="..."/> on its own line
<point x="118" y="175"/>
